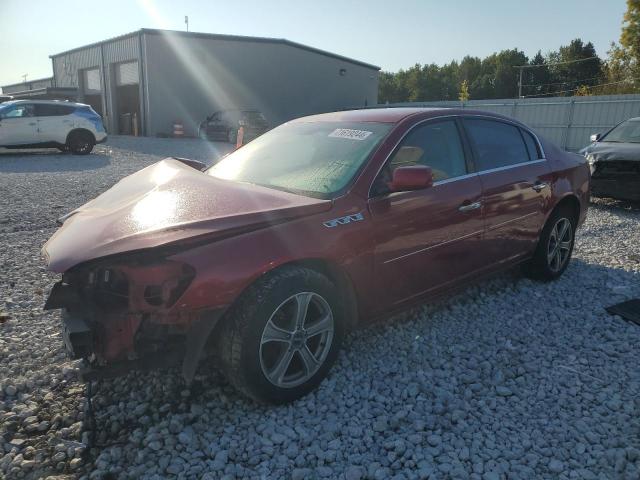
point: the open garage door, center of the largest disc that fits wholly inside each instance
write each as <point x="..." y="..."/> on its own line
<point x="127" y="98"/>
<point x="92" y="89"/>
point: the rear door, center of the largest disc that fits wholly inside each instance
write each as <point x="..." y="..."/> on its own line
<point x="54" y="122"/>
<point x="516" y="190"/>
<point x="18" y="125"/>
<point x="426" y="239"/>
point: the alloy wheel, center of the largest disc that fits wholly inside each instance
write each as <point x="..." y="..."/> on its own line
<point x="559" y="247"/>
<point x="296" y="340"/>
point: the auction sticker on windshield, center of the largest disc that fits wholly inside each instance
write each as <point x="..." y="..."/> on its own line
<point x="350" y="134"/>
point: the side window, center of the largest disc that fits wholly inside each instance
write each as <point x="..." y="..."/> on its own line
<point x="44" y="110"/>
<point x="497" y="144"/>
<point x="436" y="145"/>
<point x="47" y="110"/>
<point x="19" y="111"/>
<point x="65" y="110"/>
<point x="532" y="145"/>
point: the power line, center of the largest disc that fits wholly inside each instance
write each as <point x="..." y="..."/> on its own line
<point x="558" y="83"/>
<point x="576" y="89"/>
<point x="556" y="63"/>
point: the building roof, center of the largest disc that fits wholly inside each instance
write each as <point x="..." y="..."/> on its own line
<point x="235" y="38"/>
<point x="27" y="82"/>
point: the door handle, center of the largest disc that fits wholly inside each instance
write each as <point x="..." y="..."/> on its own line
<point x="467" y="207"/>
<point x="539" y="186"/>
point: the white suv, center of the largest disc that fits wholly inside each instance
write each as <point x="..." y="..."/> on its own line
<point x="50" y="123"/>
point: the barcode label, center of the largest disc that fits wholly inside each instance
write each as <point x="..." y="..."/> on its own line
<point x="350" y="134"/>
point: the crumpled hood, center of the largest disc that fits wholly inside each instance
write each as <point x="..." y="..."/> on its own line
<point x="165" y="203"/>
<point x="603" y="151"/>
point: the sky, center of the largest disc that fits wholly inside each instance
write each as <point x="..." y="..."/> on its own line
<point x="391" y="34"/>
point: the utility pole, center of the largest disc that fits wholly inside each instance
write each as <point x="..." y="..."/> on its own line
<point x="520" y="83"/>
<point x="186" y="21"/>
<point x="24" y="78"/>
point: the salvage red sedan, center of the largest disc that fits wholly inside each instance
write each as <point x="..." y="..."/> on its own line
<point x="264" y="261"/>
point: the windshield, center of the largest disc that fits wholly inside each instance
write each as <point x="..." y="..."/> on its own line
<point x="312" y="158"/>
<point x="627" y="132"/>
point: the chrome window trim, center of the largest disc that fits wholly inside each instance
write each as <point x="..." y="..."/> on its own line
<point x="453" y="179"/>
<point x="509" y="167"/>
<point x="471" y="174"/>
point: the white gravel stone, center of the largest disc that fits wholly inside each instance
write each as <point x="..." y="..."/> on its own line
<point x="508" y="379"/>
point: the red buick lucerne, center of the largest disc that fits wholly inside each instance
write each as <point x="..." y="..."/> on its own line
<point x="262" y="262"/>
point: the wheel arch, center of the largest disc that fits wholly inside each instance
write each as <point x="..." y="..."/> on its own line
<point x="75" y="131"/>
<point x="336" y="274"/>
<point x="571" y="201"/>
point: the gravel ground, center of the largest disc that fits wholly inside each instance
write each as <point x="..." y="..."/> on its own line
<point x="509" y="379"/>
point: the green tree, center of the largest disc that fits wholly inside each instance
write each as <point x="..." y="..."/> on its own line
<point x="537" y="80"/>
<point x="463" y="96"/>
<point x="630" y="37"/>
<point x="579" y="64"/>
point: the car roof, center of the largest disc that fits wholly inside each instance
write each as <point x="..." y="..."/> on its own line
<point x="46" y="102"/>
<point x="396" y="114"/>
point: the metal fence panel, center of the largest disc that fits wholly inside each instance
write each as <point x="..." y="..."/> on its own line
<point x="566" y="121"/>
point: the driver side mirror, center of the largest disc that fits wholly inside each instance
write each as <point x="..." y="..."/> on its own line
<point x="415" y="177"/>
<point x="595" y="137"/>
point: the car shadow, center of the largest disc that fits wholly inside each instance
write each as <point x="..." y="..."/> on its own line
<point x="17" y="161"/>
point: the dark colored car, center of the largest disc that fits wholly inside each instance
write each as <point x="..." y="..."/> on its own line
<point x="614" y="159"/>
<point x="265" y="260"/>
<point x="5" y="98"/>
<point x="224" y="125"/>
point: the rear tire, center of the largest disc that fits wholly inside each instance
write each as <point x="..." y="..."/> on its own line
<point x="283" y="335"/>
<point x="80" y="143"/>
<point x="555" y="247"/>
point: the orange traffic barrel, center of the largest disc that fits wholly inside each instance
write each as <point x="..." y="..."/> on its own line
<point x="240" y="137"/>
<point x="178" y="129"/>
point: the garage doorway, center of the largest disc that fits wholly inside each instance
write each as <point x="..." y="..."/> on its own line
<point x="92" y="89"/>
<point x="127" y="98"/>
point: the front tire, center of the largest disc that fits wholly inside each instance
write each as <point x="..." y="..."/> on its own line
<point x="555" y="247"/>
<point x="232" y="136"/>
<point x="80" y="143"/>
<point x="282" y="337"/>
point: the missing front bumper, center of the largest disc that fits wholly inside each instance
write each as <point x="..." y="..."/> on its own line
<point x="77" y="335"/>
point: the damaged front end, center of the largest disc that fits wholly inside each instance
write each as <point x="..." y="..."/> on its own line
<point x="125" y="315"/>
<point x="616" y="179"/>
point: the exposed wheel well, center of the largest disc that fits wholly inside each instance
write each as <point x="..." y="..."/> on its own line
<point x="76" y="131"/>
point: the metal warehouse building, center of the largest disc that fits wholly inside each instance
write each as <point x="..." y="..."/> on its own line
<point x="145" y="81"/>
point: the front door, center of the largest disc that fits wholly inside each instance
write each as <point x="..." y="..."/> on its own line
<point x="428" y="238"/>
<point x="18" y="125"/>
<point x="516" y="184"/>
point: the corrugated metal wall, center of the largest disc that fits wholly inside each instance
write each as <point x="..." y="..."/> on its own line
<point x="566" y="121"/>
<point x="68" y="67"/>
